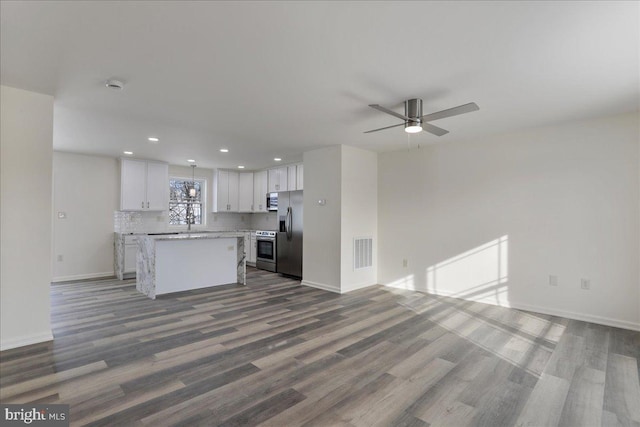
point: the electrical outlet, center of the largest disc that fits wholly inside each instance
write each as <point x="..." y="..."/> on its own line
<point x="230" y="248"/>
<point x="60" y="258"/>
<point x="215" y="218"/>
<point x="242" y="218"/>
<point x="585" y="284"/>
<point x="553" y="280"/>
<point x="160" y="218"/>
<point x="405" y="263"/>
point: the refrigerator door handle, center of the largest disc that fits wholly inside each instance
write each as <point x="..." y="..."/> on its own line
<point x="288" y="223"/>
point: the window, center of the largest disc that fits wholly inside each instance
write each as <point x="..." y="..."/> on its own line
<point x="181" y="205"/>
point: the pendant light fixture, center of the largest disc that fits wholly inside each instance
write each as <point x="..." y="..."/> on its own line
<point x="192" y="190"/>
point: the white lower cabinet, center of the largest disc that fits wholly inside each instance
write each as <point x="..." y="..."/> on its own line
<point x="130" y="258"/>
<point x="126" y="248"/>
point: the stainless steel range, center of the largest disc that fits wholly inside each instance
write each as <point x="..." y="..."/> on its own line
<point x="266" y="253"/>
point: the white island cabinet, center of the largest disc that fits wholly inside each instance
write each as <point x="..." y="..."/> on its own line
<point x="181" y="262"/>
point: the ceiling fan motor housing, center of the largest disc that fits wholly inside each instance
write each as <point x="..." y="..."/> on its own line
<point x="413" y="109"/>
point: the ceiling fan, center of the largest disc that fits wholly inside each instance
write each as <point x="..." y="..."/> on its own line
<point x="415" y="122"/>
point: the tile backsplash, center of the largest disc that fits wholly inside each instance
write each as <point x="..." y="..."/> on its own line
<point x="139" y="222"/>
<point x="157" y="222"/>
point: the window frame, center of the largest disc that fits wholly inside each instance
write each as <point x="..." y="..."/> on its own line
<point x="203" y="200"/>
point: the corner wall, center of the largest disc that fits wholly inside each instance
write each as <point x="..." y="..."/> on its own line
<point x="359" y="216"/>
<point x="85" y="190"/>
<point x="321" y="241"/>
<point x="346" y="179"/>
<point x="491" y="219"/>
<point x="26" y="155"/>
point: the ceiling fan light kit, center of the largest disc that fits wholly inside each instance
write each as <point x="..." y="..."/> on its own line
<point x="412" y="127"/>
<point x="415" y="122"/>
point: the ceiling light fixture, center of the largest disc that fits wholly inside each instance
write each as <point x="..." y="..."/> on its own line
<point x="153" y="139"/>
<point x="114" y="84"/>
<point x="240" y="167"/>
<point x="224" y="150"/>
<point x="412" y="127"/>
<point x="191" y="161"/>
<point x="277" y="159"/>
<point x="128" y="153"/>
<point x="191" y="217"/>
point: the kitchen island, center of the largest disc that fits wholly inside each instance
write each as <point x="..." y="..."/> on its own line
<point x="181" y="262"/>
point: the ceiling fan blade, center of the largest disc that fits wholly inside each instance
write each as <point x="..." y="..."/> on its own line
<point x="388" y="127"/>
<point x="385" y="110"/>
<point x="461" y="109"/>
<point x="434" y="129"/>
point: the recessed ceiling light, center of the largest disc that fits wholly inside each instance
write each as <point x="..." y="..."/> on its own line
<point x="240" y="167"/>
<point x="224" y="150"/>
<point x="128" y="153"/>
<point x="153" y="139"/>
<point x="191" y="161"/>
<point x="277" y="159"/>
<point x="114" y="84"/>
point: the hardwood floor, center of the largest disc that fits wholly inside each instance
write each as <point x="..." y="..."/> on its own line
<point x="274" y="353"/>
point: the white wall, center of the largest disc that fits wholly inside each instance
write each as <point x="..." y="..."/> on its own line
<point x="26" y="150"/>
<point x="359" y="217"/>
<point x="321" y="241"/>
<point x="85" y="189"/>
<point x="346" y="178"/>
<point x="490" y="219"/>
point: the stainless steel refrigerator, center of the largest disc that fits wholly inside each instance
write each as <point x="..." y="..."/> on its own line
<point x="289" y="237"/>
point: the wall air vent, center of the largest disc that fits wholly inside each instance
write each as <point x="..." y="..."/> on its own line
<point x="362" y="252"/>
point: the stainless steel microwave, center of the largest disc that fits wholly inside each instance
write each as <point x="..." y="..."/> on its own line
<point x="272" y="201"/>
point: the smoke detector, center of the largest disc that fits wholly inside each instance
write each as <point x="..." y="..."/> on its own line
<point x="114" y="84"/>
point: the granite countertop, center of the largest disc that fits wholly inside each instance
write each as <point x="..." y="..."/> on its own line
<point x="181" y="232"/>
<point x="195" y="235"/>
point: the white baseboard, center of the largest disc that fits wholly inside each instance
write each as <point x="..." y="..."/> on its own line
<point x="83" y="276"/>
<point x="26" y="340"/>
<point x="359" y="286"/>
<point x="607" y="321"/>
<point x="320" y="286"/>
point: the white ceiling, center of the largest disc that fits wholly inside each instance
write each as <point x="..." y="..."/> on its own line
<point x="270" y="79"/>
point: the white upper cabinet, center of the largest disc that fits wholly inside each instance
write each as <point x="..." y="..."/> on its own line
<point x="245" y="190"/>
<point x="300" y="177"/>
<point x="225" y="191"/>
<point x="157" y="186"/>
<point x="260" y="189"/>
<point x="234" y="191"/>
<point x="278" y="180"/>
<point x="291" y="177"/>
<point x="144" y="185"/>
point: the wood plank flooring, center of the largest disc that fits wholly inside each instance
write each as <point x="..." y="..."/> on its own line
<point x="275" y="353"/>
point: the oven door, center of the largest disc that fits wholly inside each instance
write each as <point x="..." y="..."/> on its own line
<point x="266" y="254"/>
